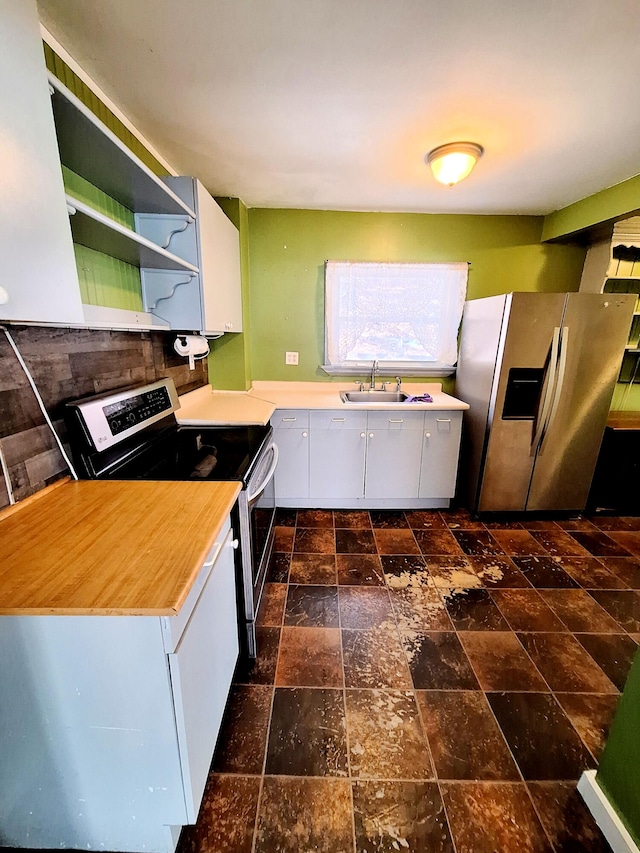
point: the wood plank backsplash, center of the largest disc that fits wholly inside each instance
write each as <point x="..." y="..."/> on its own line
<point x="67" y="364"/>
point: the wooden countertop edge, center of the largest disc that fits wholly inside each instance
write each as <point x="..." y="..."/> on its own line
<point x="20" y="505"/>
<point x="621" y="420"/>
<point x="93" y="611"/>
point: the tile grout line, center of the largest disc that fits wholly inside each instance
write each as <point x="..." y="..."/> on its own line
<point x="273" y="696"/>
<point x="503" y="736"/>
<point x="346" y="721"/>
<point x="420" y="716"/>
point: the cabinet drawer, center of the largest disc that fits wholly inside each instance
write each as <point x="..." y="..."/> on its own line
<point x="290" y="419"/>
<point x="173" y="626"/>
<point x="337" y="419"/>
<point x="443" y="422"/>
<point x="395" y="420"/>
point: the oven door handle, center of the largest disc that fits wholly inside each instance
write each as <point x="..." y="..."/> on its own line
<point x="263" y="485"/>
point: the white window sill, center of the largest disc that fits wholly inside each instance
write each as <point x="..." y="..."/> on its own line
<point x="406" y="369"/>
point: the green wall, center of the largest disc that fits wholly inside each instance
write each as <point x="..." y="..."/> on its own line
<point x="288" y="248"/>
<point x="619" y="771"/>
<point x="606" y="206"/>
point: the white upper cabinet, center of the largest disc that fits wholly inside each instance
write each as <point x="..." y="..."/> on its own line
<point x="209" y="301"/>
<point x="39" y="278"/>
<point x="219" y="265"/>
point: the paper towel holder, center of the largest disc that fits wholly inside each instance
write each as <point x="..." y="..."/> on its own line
<point x="184" y="345"/>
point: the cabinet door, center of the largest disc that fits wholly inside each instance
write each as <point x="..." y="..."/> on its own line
<point x="441" y="446"/>
<point x="219" y="266"/>
<point x="336" y="464"/>
<point x="394" y="447"/>
<point x="39" y="278"/>
<point x="201" y="672"/>
<point x="292" y="473"/>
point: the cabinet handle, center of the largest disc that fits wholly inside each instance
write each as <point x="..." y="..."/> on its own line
<point x="305" y="434"/>
<point x="338" y="420"/>
<point x="370" y="435"/>
<point x="212" y="556"/>
<point x="443" y="420"/>
<point x="288" y="420"/>
<point x="363" y="435"/>
<point x="396" y="421"/>
<point x="427" y="435"/>
<point x="234" y="544"/>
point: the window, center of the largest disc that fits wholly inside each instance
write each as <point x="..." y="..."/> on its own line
<point x="404" y="315"/>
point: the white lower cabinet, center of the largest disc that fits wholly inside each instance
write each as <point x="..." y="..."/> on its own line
<point x="441" y="445"/>
<point x="108" y="723"/>
<point x="370" y="459"/>
<point x="337" y="445"/>
<point x="291" y="434"/>
<point x="201" y="671"/>
<point x="394" y="446"/>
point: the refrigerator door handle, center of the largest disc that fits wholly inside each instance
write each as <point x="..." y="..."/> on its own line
<point x="562" y="367"/>
<point x="548" y="394"/>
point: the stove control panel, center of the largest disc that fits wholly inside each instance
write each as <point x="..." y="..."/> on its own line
<point x="140" y="409"/>
<point x="108" y="419"/>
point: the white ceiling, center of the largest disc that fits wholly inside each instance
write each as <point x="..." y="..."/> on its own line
<point x="334" y="103"/>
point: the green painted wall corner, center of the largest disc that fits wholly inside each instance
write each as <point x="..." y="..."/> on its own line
<point x="619" y="770"/>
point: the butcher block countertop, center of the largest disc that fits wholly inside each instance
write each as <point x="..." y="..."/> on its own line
<point x="109" y="548"/>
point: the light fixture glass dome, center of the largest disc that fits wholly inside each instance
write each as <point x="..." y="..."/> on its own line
<point x="452" y="162"/>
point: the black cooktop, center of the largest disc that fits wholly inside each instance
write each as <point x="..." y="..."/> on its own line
<point x="169" y="452"/>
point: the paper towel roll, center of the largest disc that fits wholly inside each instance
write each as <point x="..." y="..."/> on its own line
<point x="192" y="347"/>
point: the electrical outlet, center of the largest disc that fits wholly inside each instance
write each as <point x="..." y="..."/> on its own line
<point x="291" y="358"/>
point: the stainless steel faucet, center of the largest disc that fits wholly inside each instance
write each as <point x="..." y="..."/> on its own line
<point x="374" y="370"/>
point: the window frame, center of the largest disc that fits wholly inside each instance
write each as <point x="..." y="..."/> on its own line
<point x="388" y="367"/>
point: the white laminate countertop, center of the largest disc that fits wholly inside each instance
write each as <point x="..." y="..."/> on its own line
<point x="326" y="395"/>
<point x="204" y="406"/>
<point x="225" y="408"/>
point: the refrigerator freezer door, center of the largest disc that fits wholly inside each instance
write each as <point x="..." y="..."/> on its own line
<point x="595" y="329"/>
<point x="480" y="339"/>
<point x="510" y="453"/>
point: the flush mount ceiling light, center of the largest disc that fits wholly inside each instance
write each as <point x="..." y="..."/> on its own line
<point x="452" y="162"/>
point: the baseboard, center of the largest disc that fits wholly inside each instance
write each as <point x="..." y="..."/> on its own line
<point x="363" y="503"/>
<point x="605" y="815"/>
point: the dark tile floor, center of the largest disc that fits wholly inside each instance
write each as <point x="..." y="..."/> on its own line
<point x="425" y="682"/>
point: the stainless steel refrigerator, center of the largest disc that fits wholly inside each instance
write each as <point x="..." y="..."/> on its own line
<point x="538" y="371"/>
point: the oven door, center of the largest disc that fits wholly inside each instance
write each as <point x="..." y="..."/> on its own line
<point x="257" y="509"/>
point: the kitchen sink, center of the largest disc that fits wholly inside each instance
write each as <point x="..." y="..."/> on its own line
<point x="373" y="397"/>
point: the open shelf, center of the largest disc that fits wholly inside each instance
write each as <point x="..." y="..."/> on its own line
<point x="119" y="319"/>
<point x="97" y="231"/>
<point x="90" y="149"/>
